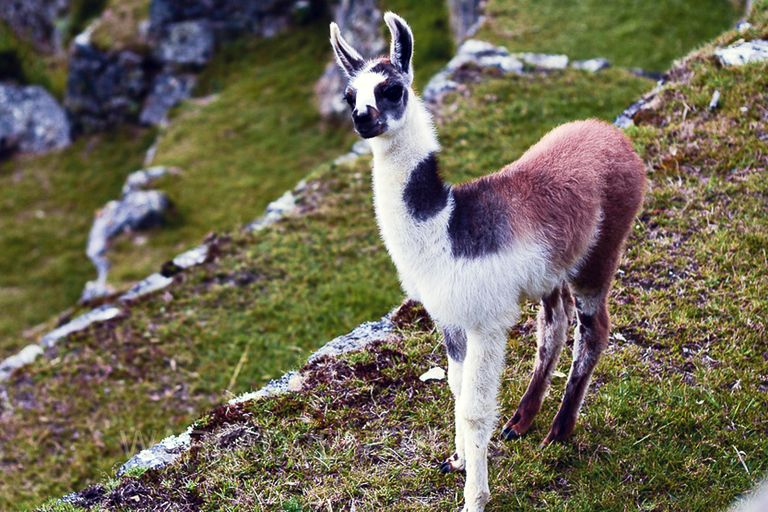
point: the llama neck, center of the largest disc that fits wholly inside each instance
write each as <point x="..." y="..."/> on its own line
<point x="396" y="155"/>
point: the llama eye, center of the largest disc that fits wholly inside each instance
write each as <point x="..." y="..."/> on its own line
<point x="393" y="93"/>
<point x="349" y="98"/>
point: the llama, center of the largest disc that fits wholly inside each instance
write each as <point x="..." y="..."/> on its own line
<point x="550" y="227"/>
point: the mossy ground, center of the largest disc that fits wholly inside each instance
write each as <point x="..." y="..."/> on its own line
<point x="272" y="297"/>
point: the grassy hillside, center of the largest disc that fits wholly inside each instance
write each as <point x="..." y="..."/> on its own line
<point x="648" y="35"/>
<point x="255" y="134"/>
<point x="675" y="419"/>
<point x="270" y="298"/>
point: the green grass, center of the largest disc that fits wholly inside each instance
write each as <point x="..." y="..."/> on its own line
<point x="632" y="33"/>
<point x="21" y="63"/>
<point x="47" y="205"/>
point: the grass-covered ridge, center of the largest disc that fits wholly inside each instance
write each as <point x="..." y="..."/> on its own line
<point x="266" y="302"/>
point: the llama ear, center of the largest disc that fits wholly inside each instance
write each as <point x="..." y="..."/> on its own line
<point x="347" y="57"/>
<point x="401" y="47"/>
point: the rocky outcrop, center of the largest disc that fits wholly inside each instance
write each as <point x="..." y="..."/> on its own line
<point x="359" y="21"/>
<point x="104" y="89"/>
<point x="225" y="18"/>
<point x="465" y="18"/>
<point x="476" y="55"/>
<point x="39" y="22"/>
<point x="166" y="91"/>
<point x="137" y="209"/>
<point x="31" y="120"/>
<point x="743" y="53"/>
<point x="108" y="88"/>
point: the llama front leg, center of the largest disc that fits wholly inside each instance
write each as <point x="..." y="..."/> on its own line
<point x="476" y="410"/>
<point x="456" y="346"/>
<point x="590" y="339"/>
<point x="551" y="331"/>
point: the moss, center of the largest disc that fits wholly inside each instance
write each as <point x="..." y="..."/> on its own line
<point x="21" y="63"/>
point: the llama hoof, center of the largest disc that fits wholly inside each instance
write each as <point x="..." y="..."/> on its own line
<point x="451" y="464"/>
<point x="509" y="434"/>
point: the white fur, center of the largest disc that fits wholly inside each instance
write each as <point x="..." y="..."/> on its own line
<point x="480" y="295"/>
<point x="364" y="84"/>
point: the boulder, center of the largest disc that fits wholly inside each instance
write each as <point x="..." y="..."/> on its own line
<point x="359" y="21"/>
<point x="31" y="120"/>
<point x="104" y="89"/>
<point x="166" y="92"/>
<point x="39" y="22"/>
<point x="226" y="17"/>
<point x="186" y="43"/>
<point x="141" y="209"/>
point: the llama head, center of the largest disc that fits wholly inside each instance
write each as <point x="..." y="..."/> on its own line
<point x="378" y="90"/>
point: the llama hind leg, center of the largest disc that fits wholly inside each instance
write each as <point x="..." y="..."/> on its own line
<point x="476" y="410"/>
<point x="552" y="329"/>
<point x="590" y="339"/>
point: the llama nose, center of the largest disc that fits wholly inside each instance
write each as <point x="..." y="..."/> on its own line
<point x="366" y="117"/>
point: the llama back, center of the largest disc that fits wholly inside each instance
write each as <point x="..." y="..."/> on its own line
<point x="581" y="182"/>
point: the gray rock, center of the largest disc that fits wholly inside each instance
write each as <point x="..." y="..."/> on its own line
<point x="545" y="61"/>
<point x="361" y="147"/>
<point x="227" y="17"/>
<point x="465" y="18"/>
<point x="591" y="65"/>
<point x="23" y="358"/>
<point x="361" y="336"/>
<point x="274" y="387"/>
<point x="104" y="89"/>
<point x="438" y="85"/>
<point x="360" y="22"/>
<point x="715" y="101"/>
<point x="276" y="210"/>
<point x="478" y="48"/>
<point x="148" y="285"/>
<point x="31" y="121"/>
<point x="186" y="43"/>
<point x="40" y="22"/>
<point x="743" y="53"/>
<point x="99" y="314"/>
<point x="141" y="179"/>
<point x="159" y="455"/>
<point x="192" y="257"/>
<point x="139" y="209"/>
<point x="165" y="92"/>
<point x="472" y="52"/>
<point x="506" y="63"/>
